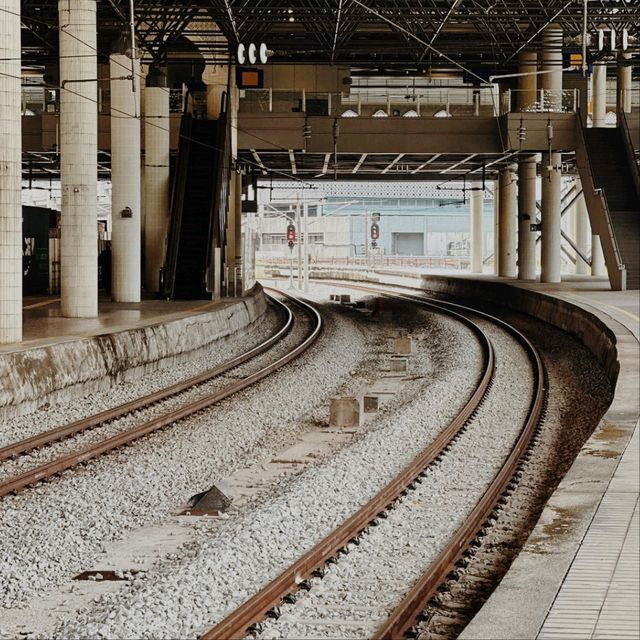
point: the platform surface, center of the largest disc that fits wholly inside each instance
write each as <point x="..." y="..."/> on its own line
<point x="43" y="323"/>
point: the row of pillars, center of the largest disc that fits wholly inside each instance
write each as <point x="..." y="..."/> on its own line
<point x="515" y="212"/>
<point x="78" y="134"/>
<point x="515" y="191"/>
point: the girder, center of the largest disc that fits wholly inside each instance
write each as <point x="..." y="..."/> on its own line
<point x="346" y="32"/>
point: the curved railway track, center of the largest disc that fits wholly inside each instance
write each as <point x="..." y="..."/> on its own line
<point x="267" y="600"/>
<point x="49" y="469"/>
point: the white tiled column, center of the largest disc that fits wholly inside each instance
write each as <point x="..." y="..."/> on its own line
<point x="599" y="95"/>
<point x="477" y="235"/>
<point x="507" y="223"/>
<point x="125" y="176"/>
<point x="597" y="257"/>
<point x="550" y="257"/>
<point x="78" y="158"/>
<point x="623" y="84"/>
<point x="583" y="232"/>
<point x="156" y="176"/>
<point x="527" y="85"/>
<point x="10" y="175"/>
<point x="551" y="58"/>
<point x="526" y="217"/>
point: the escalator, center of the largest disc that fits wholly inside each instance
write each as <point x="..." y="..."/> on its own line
<point x="194" y="224"/>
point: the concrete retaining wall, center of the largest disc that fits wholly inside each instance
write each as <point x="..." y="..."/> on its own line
<point x="71" y="369"/>
<point x="585" y="326"/>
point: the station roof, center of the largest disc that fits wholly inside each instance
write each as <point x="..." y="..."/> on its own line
<point x="389" y="34"/>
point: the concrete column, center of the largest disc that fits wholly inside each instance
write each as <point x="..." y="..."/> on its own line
<point x="597" y="257"/>
<point x="507" y="220"/>
<point x="10" y="175"/>
<point x="496" y="226"/>
<point x="599" y="94"/>
<point x="551" y="59"/>
<point x="215" y="77"/>
<point x="125" y="174"/>
<point x="583" y="231"/>
<point x="551" y="217"/>
<point x="526" y="217"/>
<point x="527" y="85"/>
<point x="623" y="88"/>
<point x="156" y="176"/>
<point x="78" y="159"/>
<point x="476" y="241"/>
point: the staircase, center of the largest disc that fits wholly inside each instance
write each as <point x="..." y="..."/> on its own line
<point x="193" y="192"/>
<point x="610" y="182"/>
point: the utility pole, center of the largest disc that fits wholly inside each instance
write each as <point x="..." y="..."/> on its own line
<point x="299" y="244"/>
<point x="366" y="236"/>
<point x="305" y="212"/>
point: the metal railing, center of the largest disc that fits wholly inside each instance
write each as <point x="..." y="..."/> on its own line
<point x="394" y="102"/>
<point x="540" y="101"/>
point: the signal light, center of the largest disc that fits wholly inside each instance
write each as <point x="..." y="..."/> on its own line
<point x="291" y="235"/>
<point x="375" y="231"/>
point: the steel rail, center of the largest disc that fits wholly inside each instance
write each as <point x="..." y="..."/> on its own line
<point x="39" y="440"/>
<point x="252" y="611"/>
<point x="406" y="612"/>
<point x="49" y="469"/>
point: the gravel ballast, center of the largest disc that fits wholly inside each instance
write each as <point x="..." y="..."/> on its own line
<point x="52" y="531"/>
<point x="358" y="593"/>
<point x="225" y="565"/>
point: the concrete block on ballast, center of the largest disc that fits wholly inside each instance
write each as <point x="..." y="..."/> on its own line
<point x="344" y="412"/>
<point x="398" y="364"/>
<point x="403" y="345"/>
<point x="370" y="403"/>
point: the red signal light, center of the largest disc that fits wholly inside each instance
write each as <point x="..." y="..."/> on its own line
<point x="375" y="232"/>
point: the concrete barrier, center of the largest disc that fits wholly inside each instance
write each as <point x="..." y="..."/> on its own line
<point x="73" y="368"/>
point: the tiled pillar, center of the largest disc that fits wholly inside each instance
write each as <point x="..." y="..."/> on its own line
<point x="125" y="174"/>
<point x="527" y="85"/>
<point x="599" y="95"/>
<point x="526" y="217"/>
<point x="551" y="60"/>
<point x="477" y="237"/>
<point x="583" y="231"/>
<point x="156" y="176"/>
<point x="551" y="218"/>
<point x="597" y="257"/>
<point x="10" y="175"/>
<point x="623" y="88"/>
<point x="78" y="158"/>
<point x="507" y="223"/>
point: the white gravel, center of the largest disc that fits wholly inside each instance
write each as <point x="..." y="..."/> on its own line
<point x="51" y="532"/>
<point x="358" y="593"/>
<point x="10" y="468"/>
<point x="224" y="566"/>
<point x="52" y="416"/>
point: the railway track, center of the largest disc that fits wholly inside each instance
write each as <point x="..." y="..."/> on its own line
<point x="47" y="470"/>
<point x="266" y="602"/>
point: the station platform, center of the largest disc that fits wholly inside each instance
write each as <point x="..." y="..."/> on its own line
<point x="44" y="324"/>
<point x="62" y="358"/>
<point x="578" y="575"/>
